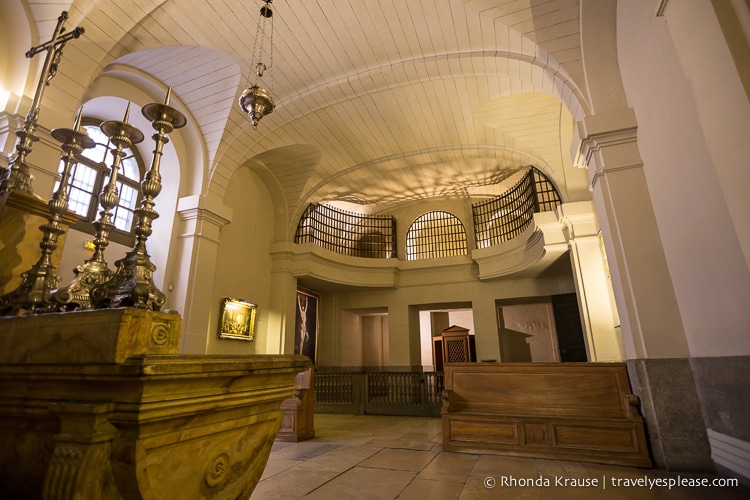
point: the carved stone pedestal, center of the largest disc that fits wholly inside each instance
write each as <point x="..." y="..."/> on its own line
<point x="98" y="405"/>
<point x="297" y="422"/>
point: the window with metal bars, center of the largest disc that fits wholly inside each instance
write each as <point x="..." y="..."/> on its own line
<point x="347" y="233"/>
<point x="436" y="234"/>
<point x="508" y="215"/>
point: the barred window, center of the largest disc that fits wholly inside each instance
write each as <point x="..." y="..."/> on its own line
<point x="436" y="234"/>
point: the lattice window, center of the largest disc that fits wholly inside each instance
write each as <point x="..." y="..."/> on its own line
<point x="436" y="234"/>
<point x="370" y="236"/>
<point x="457" y="351"/>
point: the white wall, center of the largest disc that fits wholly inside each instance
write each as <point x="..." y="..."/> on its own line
<point x="693" y="165"/>
<point x="462" y="317"/>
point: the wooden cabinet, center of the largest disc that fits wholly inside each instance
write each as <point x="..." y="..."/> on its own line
<point x="453" y="345"/>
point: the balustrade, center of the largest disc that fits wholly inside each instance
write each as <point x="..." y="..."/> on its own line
<point x="383" y="393"/>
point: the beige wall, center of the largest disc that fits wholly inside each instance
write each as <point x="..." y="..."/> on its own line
<point x="404" y="340"/>
<point x="243" y="264"/>
<point x="536" y="325"/>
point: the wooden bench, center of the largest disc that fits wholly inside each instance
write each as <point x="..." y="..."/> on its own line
<point x="298" y="413"/>
<point x="565" y="411"/>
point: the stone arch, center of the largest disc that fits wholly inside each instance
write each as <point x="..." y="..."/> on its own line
<point x="127" y="83"/>
<point x="599" y="46"/>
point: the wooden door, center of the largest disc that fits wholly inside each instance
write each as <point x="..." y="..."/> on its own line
<point x="569" y="328"/>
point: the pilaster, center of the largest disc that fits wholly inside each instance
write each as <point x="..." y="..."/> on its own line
<point x="594" y="290"/>
<point x="279" y="336"/>
<point x="653" y="334"/>
<point x="80" y="464"/>
<point x="197" y="252"/>
<point x="651" y="322"/>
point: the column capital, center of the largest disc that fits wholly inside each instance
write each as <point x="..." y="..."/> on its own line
<point x="203" y="208"/>
<point x="578" y="220"/>
<point x="608" y="144"/>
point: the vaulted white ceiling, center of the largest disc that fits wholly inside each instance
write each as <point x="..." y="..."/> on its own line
<point x="378" y="101"/>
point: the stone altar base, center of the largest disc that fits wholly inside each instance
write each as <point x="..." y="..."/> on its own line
<point x="21" y="215"/>
<point x="99" y="405"/>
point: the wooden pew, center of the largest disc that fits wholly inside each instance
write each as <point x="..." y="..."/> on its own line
<point x="566" y="411"/>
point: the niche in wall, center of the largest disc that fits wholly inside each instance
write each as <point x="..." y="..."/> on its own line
<point x="529" y="329"/>
<point x="364" y="339"/>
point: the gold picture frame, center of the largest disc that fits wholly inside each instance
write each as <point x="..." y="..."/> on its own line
<point x="237" y="319"/>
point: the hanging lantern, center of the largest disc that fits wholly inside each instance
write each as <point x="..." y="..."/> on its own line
<point x="256" y="100"/>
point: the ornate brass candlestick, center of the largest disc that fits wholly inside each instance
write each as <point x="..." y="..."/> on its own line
<point x="16" y="175"/>
<point x="133" y="283"/>
<point x="33" y="294"/>
<point x="95" y="270"/>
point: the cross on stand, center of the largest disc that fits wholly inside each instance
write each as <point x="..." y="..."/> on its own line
<point x="16" y="175"/>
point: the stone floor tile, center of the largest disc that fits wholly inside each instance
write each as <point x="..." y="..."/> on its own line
<point x="340" y="459"/>
<point x="428" y="489"/>
<point x="305" y="450"/>
<point x="291" y="483"/>
<point x="496" y="466"/>
<point x="449" y="467"/>
<point x="363" y="483"/>
<point x="419" y="435"/>
<point x="481" y="488"/>
<point x="276" y="465"/>
<point x="386" y="458"/>
<point x="407" y="460"/>
<point x="402" y="443"/>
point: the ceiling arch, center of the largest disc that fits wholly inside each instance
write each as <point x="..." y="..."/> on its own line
<point x="366" y="83"/>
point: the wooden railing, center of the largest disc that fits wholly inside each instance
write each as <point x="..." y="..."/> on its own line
<point x="382" y="393"/>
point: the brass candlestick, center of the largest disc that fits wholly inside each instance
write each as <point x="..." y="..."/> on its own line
<point x="133" y="283"/>
<point x="95" y="270"/>
<point x="16" y="175"/>
<point x="33" y="294"/>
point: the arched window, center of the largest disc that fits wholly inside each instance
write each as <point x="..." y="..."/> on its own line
<point x="436" y="234"/>
<point x="91" y="174"/>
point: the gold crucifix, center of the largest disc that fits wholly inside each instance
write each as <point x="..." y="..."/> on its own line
<point x="16" y="175"/>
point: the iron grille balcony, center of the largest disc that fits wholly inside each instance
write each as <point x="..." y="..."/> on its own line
<point x="347" y="233"/>
<point x="506" y="216"/>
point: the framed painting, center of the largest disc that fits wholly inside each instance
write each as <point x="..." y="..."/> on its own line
<point x="306" y="324"/>
<point x="237" y="319"/>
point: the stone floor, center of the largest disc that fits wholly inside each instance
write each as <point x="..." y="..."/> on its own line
<point x="373" y="457"/>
